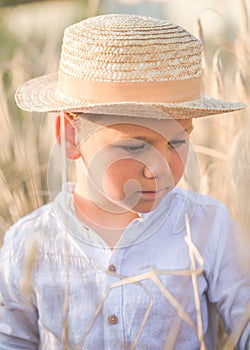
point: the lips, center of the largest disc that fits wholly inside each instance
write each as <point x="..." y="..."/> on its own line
<point x="154" y="191"/>
<point x="154" y="194"/>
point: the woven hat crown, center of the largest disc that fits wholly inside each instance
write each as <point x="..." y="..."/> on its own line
<point x="129" y="48"/>
<point x="122" y="64"/>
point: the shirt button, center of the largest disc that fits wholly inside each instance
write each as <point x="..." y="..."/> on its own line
<point x="112" y="268"/>
<point x="113" y="319"/>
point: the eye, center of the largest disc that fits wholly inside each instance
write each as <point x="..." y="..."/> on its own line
<point x="177" y="143"/>
<point x="132" y="148"/>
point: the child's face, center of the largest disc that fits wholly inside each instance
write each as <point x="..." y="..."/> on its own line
<point x="132" y="166"/>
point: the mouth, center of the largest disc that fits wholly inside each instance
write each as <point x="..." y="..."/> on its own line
<point x="154" y="194"/>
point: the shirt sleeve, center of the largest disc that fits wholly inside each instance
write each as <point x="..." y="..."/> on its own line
<point x="18" y="314"/>
<point x="229" y="281"/>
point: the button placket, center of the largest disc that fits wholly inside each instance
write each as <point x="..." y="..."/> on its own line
<point x="112" y="268"/>
<point x="113" y="305"/>
<point x="113" y="319"/>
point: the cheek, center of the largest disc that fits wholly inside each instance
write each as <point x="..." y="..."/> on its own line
<point x="177" y="163"/>
<point x="122" y="179"/>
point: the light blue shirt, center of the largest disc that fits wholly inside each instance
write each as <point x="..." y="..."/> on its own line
<point x="61" y="284"/>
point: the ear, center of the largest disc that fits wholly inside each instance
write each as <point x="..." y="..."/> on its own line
<point x="72" y="149"/>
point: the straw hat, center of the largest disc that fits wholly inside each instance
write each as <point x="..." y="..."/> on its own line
<point x="125" y="65"/>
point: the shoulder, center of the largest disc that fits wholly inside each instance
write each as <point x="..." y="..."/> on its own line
<point x="207" y="216"/>
<point x="199" y="204"/>
<point x="214" y="233"/>
<point x="29" y="227"/>
<point x="210" y="222"/>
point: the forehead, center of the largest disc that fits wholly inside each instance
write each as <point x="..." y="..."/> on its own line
<point x="142" y="127"/>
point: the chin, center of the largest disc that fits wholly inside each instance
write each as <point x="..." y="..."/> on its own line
<point x="146" y="207"/>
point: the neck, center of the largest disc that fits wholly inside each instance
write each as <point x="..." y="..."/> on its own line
<point x="109" y="225"/>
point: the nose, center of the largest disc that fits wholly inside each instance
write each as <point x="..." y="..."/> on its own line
<point x="156" y="167"/>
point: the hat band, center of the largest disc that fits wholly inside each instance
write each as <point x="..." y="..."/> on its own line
<point x="170" y="91"/>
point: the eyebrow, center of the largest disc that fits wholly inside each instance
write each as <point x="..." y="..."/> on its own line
<point x="146" y="139"/>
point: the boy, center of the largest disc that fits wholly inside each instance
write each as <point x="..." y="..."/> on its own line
<point x="124" y="259"/>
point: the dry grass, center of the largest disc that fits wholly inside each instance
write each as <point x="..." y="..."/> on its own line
<point x="224" y="161"/>
<point x="27" y="139"/>
<point x="222" y="143"/>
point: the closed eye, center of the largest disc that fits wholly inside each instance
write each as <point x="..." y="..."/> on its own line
<point x="177" y="143"/>
<point x="132" y="148"/>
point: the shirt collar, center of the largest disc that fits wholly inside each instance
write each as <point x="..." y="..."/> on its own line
<point x="137" y="231"/>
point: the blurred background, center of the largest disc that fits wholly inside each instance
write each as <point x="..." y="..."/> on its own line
<point x="30" y="40"/>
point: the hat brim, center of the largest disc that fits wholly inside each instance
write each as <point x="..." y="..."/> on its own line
<point x="42" y="95"/>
